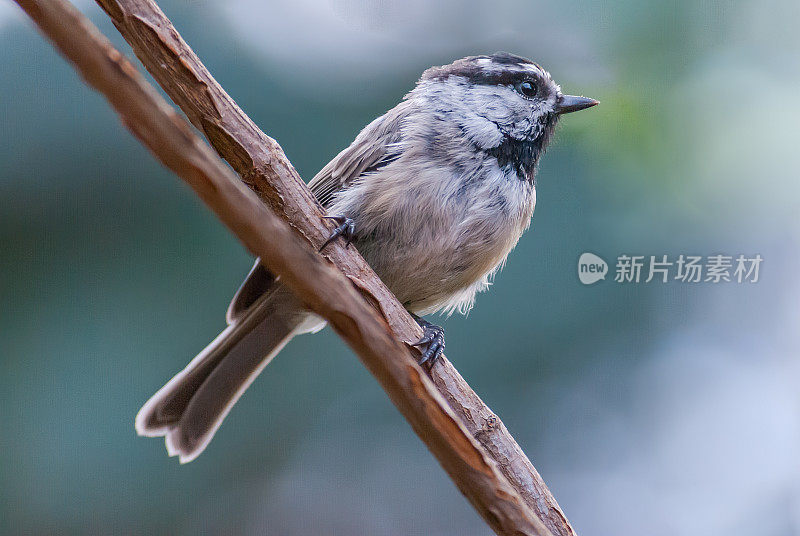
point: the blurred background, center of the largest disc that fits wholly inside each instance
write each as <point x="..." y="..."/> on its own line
<point x="651" y="408"/>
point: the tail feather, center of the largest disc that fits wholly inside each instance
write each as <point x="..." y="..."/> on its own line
<point x="189" y="409"/>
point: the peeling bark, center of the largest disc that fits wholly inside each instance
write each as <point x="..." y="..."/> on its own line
<point x="467" y="438"/>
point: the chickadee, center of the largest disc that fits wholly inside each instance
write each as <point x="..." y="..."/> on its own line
<point x="434" y="194"/>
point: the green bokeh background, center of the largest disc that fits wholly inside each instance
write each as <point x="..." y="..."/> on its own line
<point x="655" y="408"/>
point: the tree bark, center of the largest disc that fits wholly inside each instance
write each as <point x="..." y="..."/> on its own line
<point x="500" y="481"/>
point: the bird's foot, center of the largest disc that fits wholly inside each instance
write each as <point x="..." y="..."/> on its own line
<point x="432" y="342"/>
<point x="346" y="229"/>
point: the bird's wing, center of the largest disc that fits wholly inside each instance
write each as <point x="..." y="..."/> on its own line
<point x="371" y="150"/>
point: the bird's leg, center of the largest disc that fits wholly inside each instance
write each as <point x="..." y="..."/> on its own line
<point x="432" y="342"/>
<point x="346" y="229"/>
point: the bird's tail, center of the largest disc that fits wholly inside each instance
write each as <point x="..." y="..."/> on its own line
<point x="188" y="410"/>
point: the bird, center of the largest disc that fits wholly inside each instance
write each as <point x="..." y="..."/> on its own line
<point x="434" y="194"/>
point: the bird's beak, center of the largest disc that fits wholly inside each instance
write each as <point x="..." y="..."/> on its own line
<point x="570" y="103"/>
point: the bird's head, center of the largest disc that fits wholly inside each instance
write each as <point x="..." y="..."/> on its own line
<point x="504" y="104"/>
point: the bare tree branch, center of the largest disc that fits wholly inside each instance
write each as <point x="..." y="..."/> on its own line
<point x="263" y="165"/>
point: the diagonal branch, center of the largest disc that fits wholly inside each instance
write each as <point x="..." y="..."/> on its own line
<point x="262" y="164"/>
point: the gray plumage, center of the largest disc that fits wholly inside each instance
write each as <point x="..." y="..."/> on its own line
<point x="440" y="188"/>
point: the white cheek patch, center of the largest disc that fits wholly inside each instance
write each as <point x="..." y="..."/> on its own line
<point x="483" y="133"/>
<point x="486" y="113"/>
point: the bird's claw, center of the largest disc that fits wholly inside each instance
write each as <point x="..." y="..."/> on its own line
<point x="346" y="229"/>
<point x="432" y="342"/>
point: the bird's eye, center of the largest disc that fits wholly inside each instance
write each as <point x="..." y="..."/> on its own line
<point x="527" y="89"/>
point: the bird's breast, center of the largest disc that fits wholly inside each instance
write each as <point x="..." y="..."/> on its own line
<point x="431" y="232"/>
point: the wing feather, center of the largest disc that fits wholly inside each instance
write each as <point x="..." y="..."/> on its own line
<point x="371" y="150"/>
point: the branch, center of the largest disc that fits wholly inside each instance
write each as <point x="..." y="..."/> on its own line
<point x="263" y="165"/>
